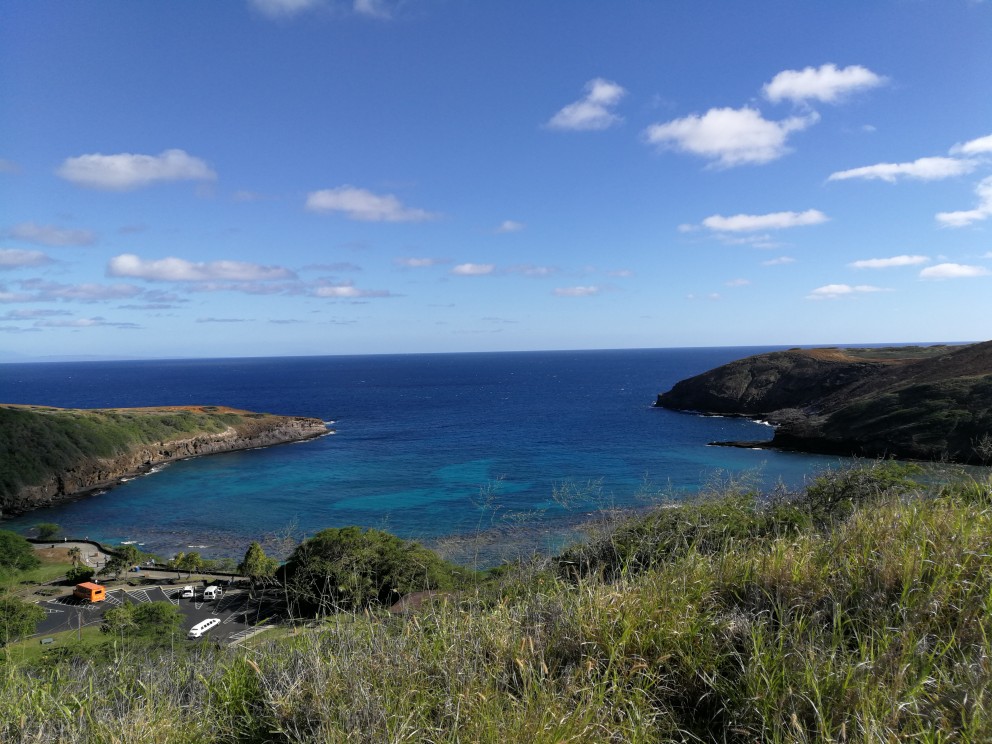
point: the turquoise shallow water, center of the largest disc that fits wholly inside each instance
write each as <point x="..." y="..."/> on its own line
<point x="426" y="446"/>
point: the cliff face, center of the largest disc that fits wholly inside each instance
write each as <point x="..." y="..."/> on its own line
<point x="73" y="471"/>
<point x="913" y="402"/>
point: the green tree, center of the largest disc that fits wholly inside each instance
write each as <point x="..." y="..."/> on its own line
<point x="79" y="573"/>
<point x="75" y="555"/>
<point x="349" y="568"/>
<point x="190" y="562"/>
<point x="18" y="619"/>
<point x="155" y="621"/>
<point x="16" y="553"/>
<point x="123" y="558"/>
<point x="256" y="564"/>
<point x="47" y="530"/>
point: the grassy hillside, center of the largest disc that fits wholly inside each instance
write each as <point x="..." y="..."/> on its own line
<point x="913" y="402"/>
<point x="857" y="610"/>
<point x="37" y="443"/>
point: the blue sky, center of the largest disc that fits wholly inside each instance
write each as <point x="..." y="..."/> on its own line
<point x="277" y="177"/>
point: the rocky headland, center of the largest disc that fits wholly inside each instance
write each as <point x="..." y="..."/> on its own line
<point x="48" y="455"/>
<point x="914" y="402"/>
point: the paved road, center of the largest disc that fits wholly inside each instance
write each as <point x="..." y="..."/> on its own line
<point x="239" y="613"/>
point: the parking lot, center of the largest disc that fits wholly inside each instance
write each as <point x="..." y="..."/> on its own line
<point x="239" y="613"/>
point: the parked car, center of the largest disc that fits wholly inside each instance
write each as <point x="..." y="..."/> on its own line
<point x="187" y="591"/>
<point x="212" y="592"/>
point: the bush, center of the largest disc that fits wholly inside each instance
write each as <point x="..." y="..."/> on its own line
<point x="351" y="568"/>
<point x="16" y="553"/>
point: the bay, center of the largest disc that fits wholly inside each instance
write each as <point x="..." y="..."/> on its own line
<point x="518" y="446"/>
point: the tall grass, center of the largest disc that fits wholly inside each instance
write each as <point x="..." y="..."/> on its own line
<point x="861" y="617"/>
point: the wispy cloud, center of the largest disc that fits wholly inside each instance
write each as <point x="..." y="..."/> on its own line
<point x="981" y="212"/>
<point x="922" y="169"/>
<point x="772" y="221"/>
<point x="411" y="262"/>
<point x="780" y="261"/>
<point x="127" y="171"/>
<point x="587" y="291"/>
<point x="594" y="111"/>
<point x="15" y="258"/>
<point x="180" y="270"/>
<point x="85" y="323"/>
<point x="224" y="320"/>
<point x="510" y="226"/>
<point x="827" y="83"/>
<point x="473" y="269"/>
<point x="9" y="166"/>
<point x="729" y="137"/>
<point x="953" y="271"/>
<point x="39" y="290"/>
<point x="31" y="232"/>
<point x="348" y="291"/>
<point x="33" y="314"/>
<point x="888" y="263"/>
<point x="738" y="282"/>
<point x="364" y="206"/>
<point x="836" y="291"/>
<point x="289" y="8"/>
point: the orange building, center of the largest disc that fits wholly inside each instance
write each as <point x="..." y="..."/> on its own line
<point x="90" y="591"/>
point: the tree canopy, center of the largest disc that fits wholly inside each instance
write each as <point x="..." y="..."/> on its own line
<point x="154" y="620"/>
<point x="16" y="553"/>
<point x="256" y="564"/>
<point x="350" y="568"/>
<point x="18" y="619"/>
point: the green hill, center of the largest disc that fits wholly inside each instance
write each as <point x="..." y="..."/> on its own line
<point x="930" y="403"/>
<point x="47" y="454"/>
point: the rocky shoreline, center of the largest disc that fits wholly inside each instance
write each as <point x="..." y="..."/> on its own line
<point x="95" y="474"/>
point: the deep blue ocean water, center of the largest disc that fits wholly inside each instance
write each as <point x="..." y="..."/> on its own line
<point x="426" y="446"/>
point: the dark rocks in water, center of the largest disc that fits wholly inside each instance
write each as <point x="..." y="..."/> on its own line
<point x="932" y="402"/>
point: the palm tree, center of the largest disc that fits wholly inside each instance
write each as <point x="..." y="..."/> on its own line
<point x="75" y="555"/>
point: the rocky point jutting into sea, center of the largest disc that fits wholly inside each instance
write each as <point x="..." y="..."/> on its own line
<point x="918" y="402"/>
<point x="53" y="454"/>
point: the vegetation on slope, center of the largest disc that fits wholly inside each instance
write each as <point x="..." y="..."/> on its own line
<point x="915" y="402"/>
<point x="855" y="611"/>
<point x="38" y="443"/>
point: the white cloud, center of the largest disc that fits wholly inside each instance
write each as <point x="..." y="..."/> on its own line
<point x="362" y="205"/>
<point x="127" y="171"/>
<point x="420" y="263"/>
<point x="974" y="147"/>
<point x="510" y="226"/>
<point x="594" y="112"/>
<point x="31" y="232"/>
<point x="577" y="291"/>
<point x="981" y="212"/>
<point x="738" y="282"/>
<point x="84" y="323"/>
<point x="532" y="270"/>
<point x="729" y="136"/>
<point x="38" y="290"/>
<point x="835" y="291"/>
<point x="371" y="8"/>
<point x="780" y="261"/>
<point x="826" y="83"/>
<point x="347" y="291"/>
<point x="180" y="270"/>
<point x="283" y="8"/>
<point x="952" y="271"/>
<point x="32" y="314"/>
<point x="923" y="169"/>
<point x="473" y="269"/>
<point x="772" y="221"/>
<point x="15" y="258"/>
<point x="887" y="263"/>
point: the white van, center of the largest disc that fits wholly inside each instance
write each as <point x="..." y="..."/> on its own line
<point x="202" y="627"/>
<point x="212" y="592"/>
<point x="187" y="591"/>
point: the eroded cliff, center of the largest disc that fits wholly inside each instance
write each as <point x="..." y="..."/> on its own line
<point x="48" y="455"/>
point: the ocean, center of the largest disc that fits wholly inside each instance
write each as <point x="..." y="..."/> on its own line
<point x="512" y="451"/>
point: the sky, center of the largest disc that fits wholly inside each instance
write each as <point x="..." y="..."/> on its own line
<point x="309" y="177"/>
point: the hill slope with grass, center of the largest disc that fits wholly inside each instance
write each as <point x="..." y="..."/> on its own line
<point x="856" y="610"/>
<point x="930" y="403"/>
<point x="49" y="454"/>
